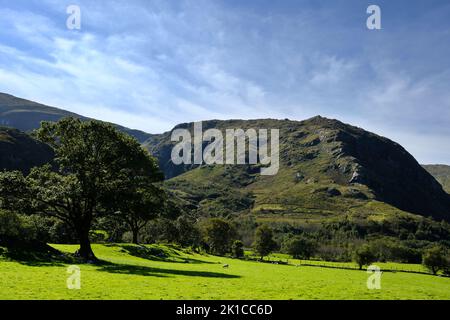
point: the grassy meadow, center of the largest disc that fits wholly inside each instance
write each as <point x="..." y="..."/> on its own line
<point x="128" y="272"/>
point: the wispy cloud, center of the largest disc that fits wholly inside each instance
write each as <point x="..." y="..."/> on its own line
<point x="153" y="64"/>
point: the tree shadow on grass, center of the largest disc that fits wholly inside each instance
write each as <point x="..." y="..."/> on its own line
<point x="33" y="260"/>
<point x="158" y="254"/>
<point x="158" y="272"/>
<point x="36" y="254"/>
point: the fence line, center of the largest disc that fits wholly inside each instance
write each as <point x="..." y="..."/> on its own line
<point x="343" y="265"/>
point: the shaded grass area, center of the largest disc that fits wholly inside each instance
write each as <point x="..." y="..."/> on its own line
<point x="156" y="253"/>
<point x="158" y="272"/>
<point x="34" y="253"/>
<point x="122" y="275"/>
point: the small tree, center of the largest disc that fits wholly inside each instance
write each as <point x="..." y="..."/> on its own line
<point x="364" y="256"/>
<point x="264" y="243"/>
<point x="434" y="259"/>
<point x="237" y="249"/>
<point x="300" y="247"/>
<point x="218" y="234"/>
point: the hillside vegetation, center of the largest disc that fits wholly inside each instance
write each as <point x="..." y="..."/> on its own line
<point x="327" y="167"/>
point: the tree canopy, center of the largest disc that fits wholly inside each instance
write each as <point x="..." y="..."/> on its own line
<point x="95" y="167"/>
<point x="264" y="243"/>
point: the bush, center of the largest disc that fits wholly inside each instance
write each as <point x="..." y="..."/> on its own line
<point x="329" y="252"/>
<point x="237" y="249"/>
<point x="158" y="230"/>
<point x="61" y="232"/>
<point x="446" y="270"/>
<point x="14" y="226"/>
<point x="435" y="259"/>
<point x="300" y="247"/>
<point x="403" y="254"/>
<point x="48" y="229"/>
<point x="218" y="235"/>
<point x="188" y="232"/>
<point x="364" y="256"/>
<point x="391" y="249"/>
<point x="11" y="226"/>
<point x="98" y="236"/>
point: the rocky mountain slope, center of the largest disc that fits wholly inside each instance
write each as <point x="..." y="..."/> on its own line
<point x="326" y="167"/>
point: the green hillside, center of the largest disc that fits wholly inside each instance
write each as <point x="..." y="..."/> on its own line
<point x="326" y="168"/>
<point x="441" y="173"/>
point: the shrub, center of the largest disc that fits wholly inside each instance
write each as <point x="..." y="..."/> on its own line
<point x="98" y="236"/>
<point x="391" y="249"/>
<point x="300" y="247"/>
<point x="364" y="256"/>
<point x="218" y="235"/>
<point x="158" y="230"/>
<point x="11" y="225"/>
<point x="435" y="259"/>
<point x="35" y="227"/>
<point x="329" y="252"/>
<point x="237" y="249"/>
<point x="188" y="232"/>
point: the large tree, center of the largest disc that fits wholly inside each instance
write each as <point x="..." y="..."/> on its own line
<point x="93" y="162"/>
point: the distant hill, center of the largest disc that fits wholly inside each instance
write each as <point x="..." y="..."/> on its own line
<point x="27" y="115"/>
<point x="327" y="167"/>
<point x="441" y="173"/>
<point x="18" y="151"/>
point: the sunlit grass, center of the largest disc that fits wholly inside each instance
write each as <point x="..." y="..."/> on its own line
<point x="182" y="275"/>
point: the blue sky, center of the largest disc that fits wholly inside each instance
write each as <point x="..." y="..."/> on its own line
<point x="153" y="64"/>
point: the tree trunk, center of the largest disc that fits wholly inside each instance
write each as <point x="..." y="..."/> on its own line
<point x="85" y="251"/>
<point x="135" y="236"/>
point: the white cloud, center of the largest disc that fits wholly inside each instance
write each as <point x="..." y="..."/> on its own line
<point x="151" y="65"/>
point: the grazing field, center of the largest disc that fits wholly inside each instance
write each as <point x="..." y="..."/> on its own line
<point x="162" y="272"/>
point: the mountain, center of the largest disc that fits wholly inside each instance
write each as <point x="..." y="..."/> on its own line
<point x="27" y="115"/>
<point x="19" y="151"/>
<point x="441" y="173"/>
<point x="326" y="168"/>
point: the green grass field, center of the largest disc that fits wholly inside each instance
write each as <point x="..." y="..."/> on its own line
<point x="127" y="274"/>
